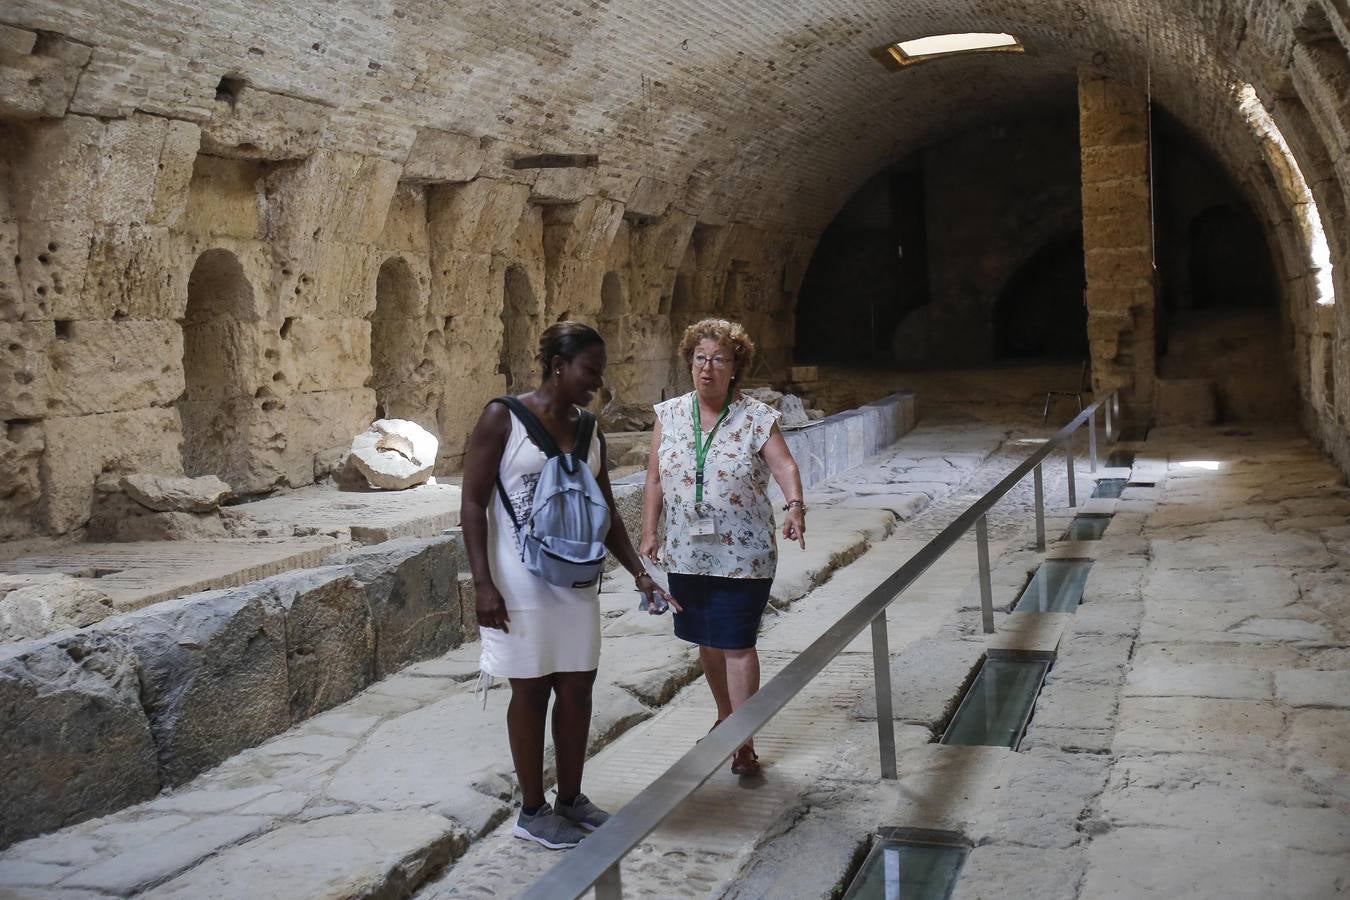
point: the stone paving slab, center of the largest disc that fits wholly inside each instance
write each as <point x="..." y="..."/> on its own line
<point x="369" y="517"/>
<point x="140" y="573"/>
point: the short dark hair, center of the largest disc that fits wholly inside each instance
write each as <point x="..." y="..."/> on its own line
<point x="564" y="340"/>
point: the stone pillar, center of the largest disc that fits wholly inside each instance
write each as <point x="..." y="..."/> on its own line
<point x="1113" y="132"/>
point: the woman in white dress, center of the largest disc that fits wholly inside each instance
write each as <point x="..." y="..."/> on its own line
<point x="544" y="638"/>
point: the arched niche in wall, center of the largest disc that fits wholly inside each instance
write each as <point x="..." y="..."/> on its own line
<point x="683" y="313"/>
<point x="396" y="338"/>
<point x="520" y="314"/>
<point x="1229" y="264"/>
<point x="1040" y="311"/>
<point x="612" y="305"/>
<point x="215" y="350"/>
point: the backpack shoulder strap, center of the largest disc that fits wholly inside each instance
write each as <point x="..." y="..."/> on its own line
<point x="533" y="427"/>
<point x="581" y="443"/>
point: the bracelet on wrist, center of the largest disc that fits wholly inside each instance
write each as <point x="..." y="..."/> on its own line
<point x="792" y="503"/>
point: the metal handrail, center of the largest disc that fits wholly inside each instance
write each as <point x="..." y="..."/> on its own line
<point x="595" y="862"/>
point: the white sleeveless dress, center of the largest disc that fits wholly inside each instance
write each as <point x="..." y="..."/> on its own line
<point x="553" y="629"/>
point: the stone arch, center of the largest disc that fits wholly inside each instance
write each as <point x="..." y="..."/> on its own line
<point x="1040" y="310"/>
<point x="520" y="315"/>
<point x="220" y="304"/>
<point x="396" y="335"/>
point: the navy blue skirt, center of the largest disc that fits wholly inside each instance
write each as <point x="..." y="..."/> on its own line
<point x="719" y="612"/>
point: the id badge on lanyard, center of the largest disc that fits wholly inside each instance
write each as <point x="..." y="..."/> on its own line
<point x="703" y="524"/>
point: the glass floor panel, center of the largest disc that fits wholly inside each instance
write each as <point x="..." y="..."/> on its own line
<point x="1120" y="459"/>
<point x="995" y="710"/>
<point x="903" y="870"/>
<point x="1057" y="586"/>
<point x="1109" y="487"/>
<point x="1086" y="528"/>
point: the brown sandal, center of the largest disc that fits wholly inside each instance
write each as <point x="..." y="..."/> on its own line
<point x="745" y="761"/>
<point x="710" y="730"/>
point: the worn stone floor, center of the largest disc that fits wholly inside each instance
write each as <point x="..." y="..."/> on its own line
<point x="1190" y="740"/>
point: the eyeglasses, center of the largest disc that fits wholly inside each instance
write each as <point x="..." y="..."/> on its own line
<point x="718" y="362"/>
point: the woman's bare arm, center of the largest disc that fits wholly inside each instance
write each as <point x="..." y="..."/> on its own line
<point x="784" y="469"/>
<point x="482" y="459"/>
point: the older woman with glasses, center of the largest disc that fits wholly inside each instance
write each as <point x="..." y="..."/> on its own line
<point x="708" y="472"/>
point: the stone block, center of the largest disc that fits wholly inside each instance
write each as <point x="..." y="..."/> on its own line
<point x="11" y="288"/>
<point x="387" y="854"/>
<point x="52" y="262"/>
<point x="329" y="354"/>
<point x="177" y="156"/>
<point x="1132" y="266"/>
<point x="53" y="167"/>
<point x="478" y="217"/>
<point x="330" y="638"/>
<point x="128" y="187"/>
<point x="74" y="740"/>
<point x="168" y="494"/>
<point x="927" y="680"/>
<point x="25" y="369"/>
<point x="327" y="279"/>
<point x="80" y="448"/>
<point x="1112" y="162"/>
<point x="225" y="198"/>
<point x="308" y="424"/>
<point x="439" y="156"/>
<point x="411" y="589"/>
<point x="133" y="272"/>
<point x="258" y="124"/>
<point x="21" y="447"/>
<point x="34" y="87"/>
<point x="213" y="674"/>
<point x="102" y="367"/>
<point x="332" y="196"/>
<point x="1185" y="401"/>
<point x="18" y="41"/>
<point x="1127" y="197"/>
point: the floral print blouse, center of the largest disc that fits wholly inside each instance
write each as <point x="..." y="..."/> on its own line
<point x="735" y="491"/>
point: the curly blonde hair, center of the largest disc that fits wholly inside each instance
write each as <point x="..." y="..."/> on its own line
<point x="725" y="333"/>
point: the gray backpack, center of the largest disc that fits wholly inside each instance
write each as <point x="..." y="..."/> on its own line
<point x="562" y="539"/>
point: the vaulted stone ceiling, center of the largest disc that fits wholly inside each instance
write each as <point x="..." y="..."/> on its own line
<point x="755" y="111"/>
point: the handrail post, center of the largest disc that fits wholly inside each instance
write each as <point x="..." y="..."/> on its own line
<point x="609" y="886"/>
<point x="1068" y="456"/>
<point x="1110" y="434"/>
<point x="1092" y="439"/>
<point x="1039" y="480"/>
<point x="986" y="589"/>
<point x="881" y="673"/>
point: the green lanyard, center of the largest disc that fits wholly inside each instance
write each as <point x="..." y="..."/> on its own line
<point x="701" y="446"/>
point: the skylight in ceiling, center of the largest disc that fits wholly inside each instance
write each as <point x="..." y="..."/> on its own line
<point x="907" y="53"/>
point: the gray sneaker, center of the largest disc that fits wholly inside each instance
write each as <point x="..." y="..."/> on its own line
<point x="548" y="828"/>
<point x="583" y="812"/>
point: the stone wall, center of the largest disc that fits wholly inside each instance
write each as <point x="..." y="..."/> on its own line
<point x="102" y="717"/>
<point x="227" y="296"/>
<point x="201" y="211"/>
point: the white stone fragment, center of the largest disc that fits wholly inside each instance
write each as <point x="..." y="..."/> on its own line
<point x="395" y="454"/>
<point x="32" y="606"/>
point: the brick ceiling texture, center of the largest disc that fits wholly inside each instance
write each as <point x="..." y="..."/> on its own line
<point x="772" y="111"/>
